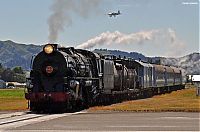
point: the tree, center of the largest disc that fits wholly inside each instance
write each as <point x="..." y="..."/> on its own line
<point x="18" y="70"/>
<point x="1" y="69"/>
<point x="8" y="75"/>
<point x="21" y="78"/>
<point x="16" y="74"/>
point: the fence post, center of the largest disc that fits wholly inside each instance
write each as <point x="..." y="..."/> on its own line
<point x="198" y="88"/>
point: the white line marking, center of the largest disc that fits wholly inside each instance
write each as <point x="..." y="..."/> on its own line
<point x="2" y="116"/>
<point x="181" y="118"/>
<point x="19" y="118"/>
<point x="36" y="120"/>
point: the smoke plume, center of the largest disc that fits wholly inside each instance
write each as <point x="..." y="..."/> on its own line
<point x="133" y="38"/>
<point x="61" y="16"/>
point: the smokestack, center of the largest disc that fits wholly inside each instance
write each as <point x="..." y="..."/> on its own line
<point x="61" y="14"/>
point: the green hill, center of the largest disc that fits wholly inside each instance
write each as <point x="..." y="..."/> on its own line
<point x="14" y="54"/>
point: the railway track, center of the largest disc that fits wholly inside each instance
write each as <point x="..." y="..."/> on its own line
<point x="14" y="120"/>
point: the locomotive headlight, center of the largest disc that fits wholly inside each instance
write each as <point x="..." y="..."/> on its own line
<point x="48" y="49"/>
<point x="49" y="69"/>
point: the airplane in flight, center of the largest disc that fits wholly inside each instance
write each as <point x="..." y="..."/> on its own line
<point x="114" y="13"/>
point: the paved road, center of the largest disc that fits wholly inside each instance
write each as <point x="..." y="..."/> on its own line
<point x="120" y="121"/>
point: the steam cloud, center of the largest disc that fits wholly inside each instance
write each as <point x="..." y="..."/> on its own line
<point x="61" y="14"/>
<point x="156" y="36"/>
<point x="133" y="38"/>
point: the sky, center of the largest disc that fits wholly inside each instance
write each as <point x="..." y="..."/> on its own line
<point x="168" y="28"/>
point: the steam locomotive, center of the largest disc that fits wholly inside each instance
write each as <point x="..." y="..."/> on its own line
<point x="66" y="78"/>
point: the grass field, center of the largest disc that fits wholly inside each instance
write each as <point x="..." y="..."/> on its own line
<point x="182" y="100"/>
<point x="12" y="99"/>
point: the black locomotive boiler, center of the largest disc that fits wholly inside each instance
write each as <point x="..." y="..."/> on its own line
<point x="67" y="78"/>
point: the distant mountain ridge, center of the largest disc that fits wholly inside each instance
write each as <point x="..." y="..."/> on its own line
<point x="13" y="54"/>
<point x="190" y="63"/>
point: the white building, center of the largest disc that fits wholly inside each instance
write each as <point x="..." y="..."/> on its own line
<point x="196" y="81"/>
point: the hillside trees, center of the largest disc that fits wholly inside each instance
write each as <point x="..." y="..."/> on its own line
<point x="18" y="70"/>
<point x="16" y="74"/>
<point x="1" y="69"/>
